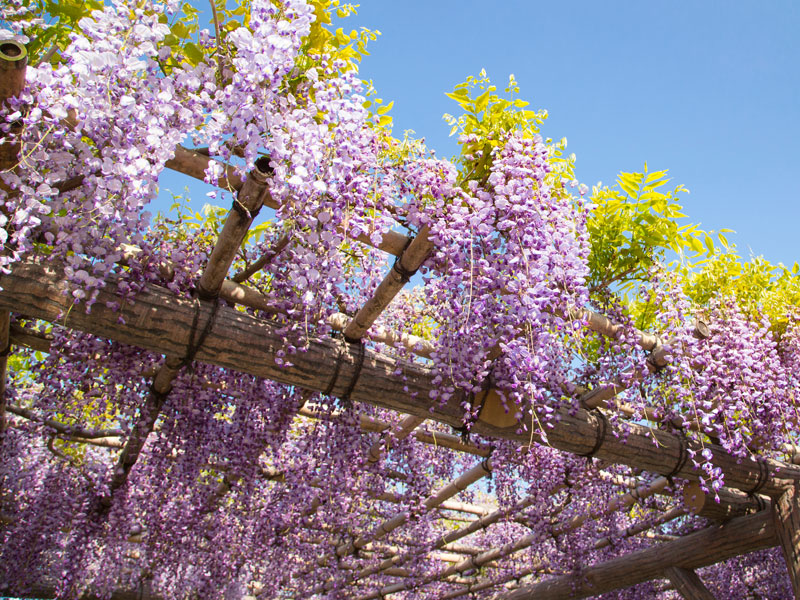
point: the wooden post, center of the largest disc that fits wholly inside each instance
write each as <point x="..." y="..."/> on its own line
<point x="13" y="62"/>
<point x="786" y="518"/>
<point x="688" y="584"/>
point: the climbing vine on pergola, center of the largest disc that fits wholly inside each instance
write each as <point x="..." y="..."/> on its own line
<point x="378" y="373"/>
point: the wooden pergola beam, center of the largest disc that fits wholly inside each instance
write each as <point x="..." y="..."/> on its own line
<point x="701" y="549"/>
<point x="161" y="322"/>
<point x="688" y="584"/>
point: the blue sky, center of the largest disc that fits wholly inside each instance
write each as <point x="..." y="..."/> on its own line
<point x="709" y="90"/>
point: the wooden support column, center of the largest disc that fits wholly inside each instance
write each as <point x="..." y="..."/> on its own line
<point x="13" y="63"/>
<point x="786" y="518"/>
<point x="688" y="584"/>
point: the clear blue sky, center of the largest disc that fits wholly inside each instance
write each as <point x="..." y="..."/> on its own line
<point x="709" y="90"/>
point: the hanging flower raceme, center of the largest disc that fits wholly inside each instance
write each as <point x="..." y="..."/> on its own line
<point x="510" y="261"/>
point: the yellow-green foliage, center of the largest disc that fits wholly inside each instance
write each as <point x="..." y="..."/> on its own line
<point x="758" y="286"/>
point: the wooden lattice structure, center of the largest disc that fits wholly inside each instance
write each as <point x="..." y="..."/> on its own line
<point x="759" y="505"/>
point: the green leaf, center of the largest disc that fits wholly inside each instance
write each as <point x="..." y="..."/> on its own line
<point x="193" y="53"/>
<point x="386" y="108"/>
<point x="709" y="244"/>
<point x="482" y="101"/>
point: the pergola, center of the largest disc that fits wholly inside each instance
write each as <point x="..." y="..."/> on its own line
<point x="759" y="506"/>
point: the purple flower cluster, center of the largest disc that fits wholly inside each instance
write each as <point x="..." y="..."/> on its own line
<point x="238" y="490"/>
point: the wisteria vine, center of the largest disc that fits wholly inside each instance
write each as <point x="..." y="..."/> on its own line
<point x="248" y="487"/>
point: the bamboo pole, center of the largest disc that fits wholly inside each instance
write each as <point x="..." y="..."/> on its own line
<point x="635" y="529"/>
<point x="425" y="436"/>
<point x="13" y="64"/>
<point x="161" y="322"/>
<point x="408" y="262"/>
<point x="642" y="526"/>
<point x="249" y="199"/>
<point x="452" y="536"/>
<point x="478" y="472"/>
<point x="703" y="548"/>
<point x="143" y="427"/>
<point x="400" y="432"/>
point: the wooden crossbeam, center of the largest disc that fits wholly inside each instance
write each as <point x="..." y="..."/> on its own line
<point x="688" y="584"/>
<point x="161" y="322"/>
<point x="701" y="549"/>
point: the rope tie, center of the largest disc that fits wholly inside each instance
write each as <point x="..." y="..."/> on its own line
<point x="357" y="372"/>
<point x="194" y="344"/>
<point x="683" y="455"/>
<point x="397" y="267"/>
<point x="204" y="294"/>
<point x="602" y="428"/>
<point x="763" y="474"/>
<point x="242" y="210"/>
<point x="336" y="368"/>
<point x="343" y="349"/>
